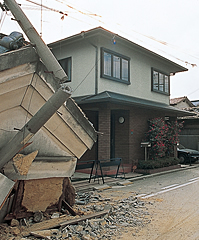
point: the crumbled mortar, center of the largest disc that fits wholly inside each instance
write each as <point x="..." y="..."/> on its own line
<point x="123" y="215"/>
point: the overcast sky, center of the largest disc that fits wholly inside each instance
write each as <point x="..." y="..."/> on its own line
<point x="167" y="27"/>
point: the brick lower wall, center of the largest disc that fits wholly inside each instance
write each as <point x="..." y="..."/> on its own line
<point x="128" y="135"/>
<point x="104" y="124"/>
<point x="138" y="124"/>
<point x="122" y="136"/>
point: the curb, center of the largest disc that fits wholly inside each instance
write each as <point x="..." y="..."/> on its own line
<point x="128" y="181"/>
<point x="162" y="173"/>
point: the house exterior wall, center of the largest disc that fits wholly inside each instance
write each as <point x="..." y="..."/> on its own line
<point x="122" y="144"/>
<point x="128" y="135"/>
<point x="83" y="66"/>
<point x="105" y="132"/>
<point x="182" y="105"/>
<point x="86" y="51"/>
<point x="140" y="73"/>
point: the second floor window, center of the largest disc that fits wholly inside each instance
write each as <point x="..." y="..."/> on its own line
<point x="66" y="65"/>
<point x="160" y="82"/>
<point x="115" y="66"/>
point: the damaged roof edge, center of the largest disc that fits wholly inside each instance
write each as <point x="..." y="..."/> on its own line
<point x="19" y="57"/>
<point x="75" y="110"/>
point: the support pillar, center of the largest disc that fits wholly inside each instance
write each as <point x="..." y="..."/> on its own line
<point x="105" y="132"/>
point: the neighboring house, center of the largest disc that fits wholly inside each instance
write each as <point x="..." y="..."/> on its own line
<point x="119" y="85"/>
<point x="189" y="136"/>
<point x="181" y="102"/>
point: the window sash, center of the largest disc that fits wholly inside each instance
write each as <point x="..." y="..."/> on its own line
<point x="160" y="82"/>
<point x="115" y="66"/>
<point x="66" y="64"/>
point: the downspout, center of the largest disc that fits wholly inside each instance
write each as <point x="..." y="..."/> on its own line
<point x="96" y="69"/>
<point x="96" y="62"/>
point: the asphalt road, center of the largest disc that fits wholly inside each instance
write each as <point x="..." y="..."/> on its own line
<point x="174" y="205"/>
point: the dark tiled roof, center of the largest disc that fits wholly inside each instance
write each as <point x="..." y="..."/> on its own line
<point x="11" y="42"/>
<point x="131" y="101"/>
<point x="194" y="111"/>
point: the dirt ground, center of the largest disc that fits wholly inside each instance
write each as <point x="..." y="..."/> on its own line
<point x="173" y="216"/>
<point x="170" y="218"/>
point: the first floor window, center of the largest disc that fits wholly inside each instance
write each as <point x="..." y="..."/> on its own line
<point x="66" y="65"/>
<point x="160" y="82"/>
<point x="115" y="66"/>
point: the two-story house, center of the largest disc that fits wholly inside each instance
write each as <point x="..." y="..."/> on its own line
<point x="119" y="85"/>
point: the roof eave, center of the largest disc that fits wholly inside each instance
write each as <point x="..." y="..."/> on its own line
<point x="100" y="30"/>
<point x="131" y="101"/>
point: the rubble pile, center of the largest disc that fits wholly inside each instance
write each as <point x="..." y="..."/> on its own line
<point x="120" y="216"/>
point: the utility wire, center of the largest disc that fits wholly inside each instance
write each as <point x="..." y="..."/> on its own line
<point x="86" y="76"/>
<point x="90" y="14"/>
<point x="3" y="16"/>
<point x="52" y="9"/>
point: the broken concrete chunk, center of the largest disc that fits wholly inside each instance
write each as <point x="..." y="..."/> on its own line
<point x="22" y="162"/>
<point x="101" y="188"/>
<point x="124" y="183"/>
<point x="38" y="216"/>
<point x="14" y="223"/>
<point x="55" y="215"/>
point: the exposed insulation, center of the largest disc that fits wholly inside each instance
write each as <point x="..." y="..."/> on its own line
<point x="23" y="163"/>
<point x="41" y="193"/>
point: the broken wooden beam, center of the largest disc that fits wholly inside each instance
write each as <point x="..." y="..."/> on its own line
<point x="69" y="208"/>
<point x="83" y="218"/>
<point x="60" y="222"/>
<point x="19" y="215"/>
<point x="45" y="234"/>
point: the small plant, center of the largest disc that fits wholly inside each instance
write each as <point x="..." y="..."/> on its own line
<point x="162" y="162"/>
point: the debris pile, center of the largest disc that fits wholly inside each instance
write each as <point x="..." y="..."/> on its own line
<point x="102" y="218"/>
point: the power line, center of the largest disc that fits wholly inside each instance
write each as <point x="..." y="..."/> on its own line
<point x="193" y="92"/>
<point x="3" y="16"/>
<point x="147" y="36"/>
<point x="49" y="8"/>
<point x="90" y="14"/>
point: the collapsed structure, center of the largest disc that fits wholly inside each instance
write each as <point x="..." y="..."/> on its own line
<point x="43" y="131"/>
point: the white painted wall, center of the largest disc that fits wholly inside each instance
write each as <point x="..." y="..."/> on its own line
<point x="83" y="68"/>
